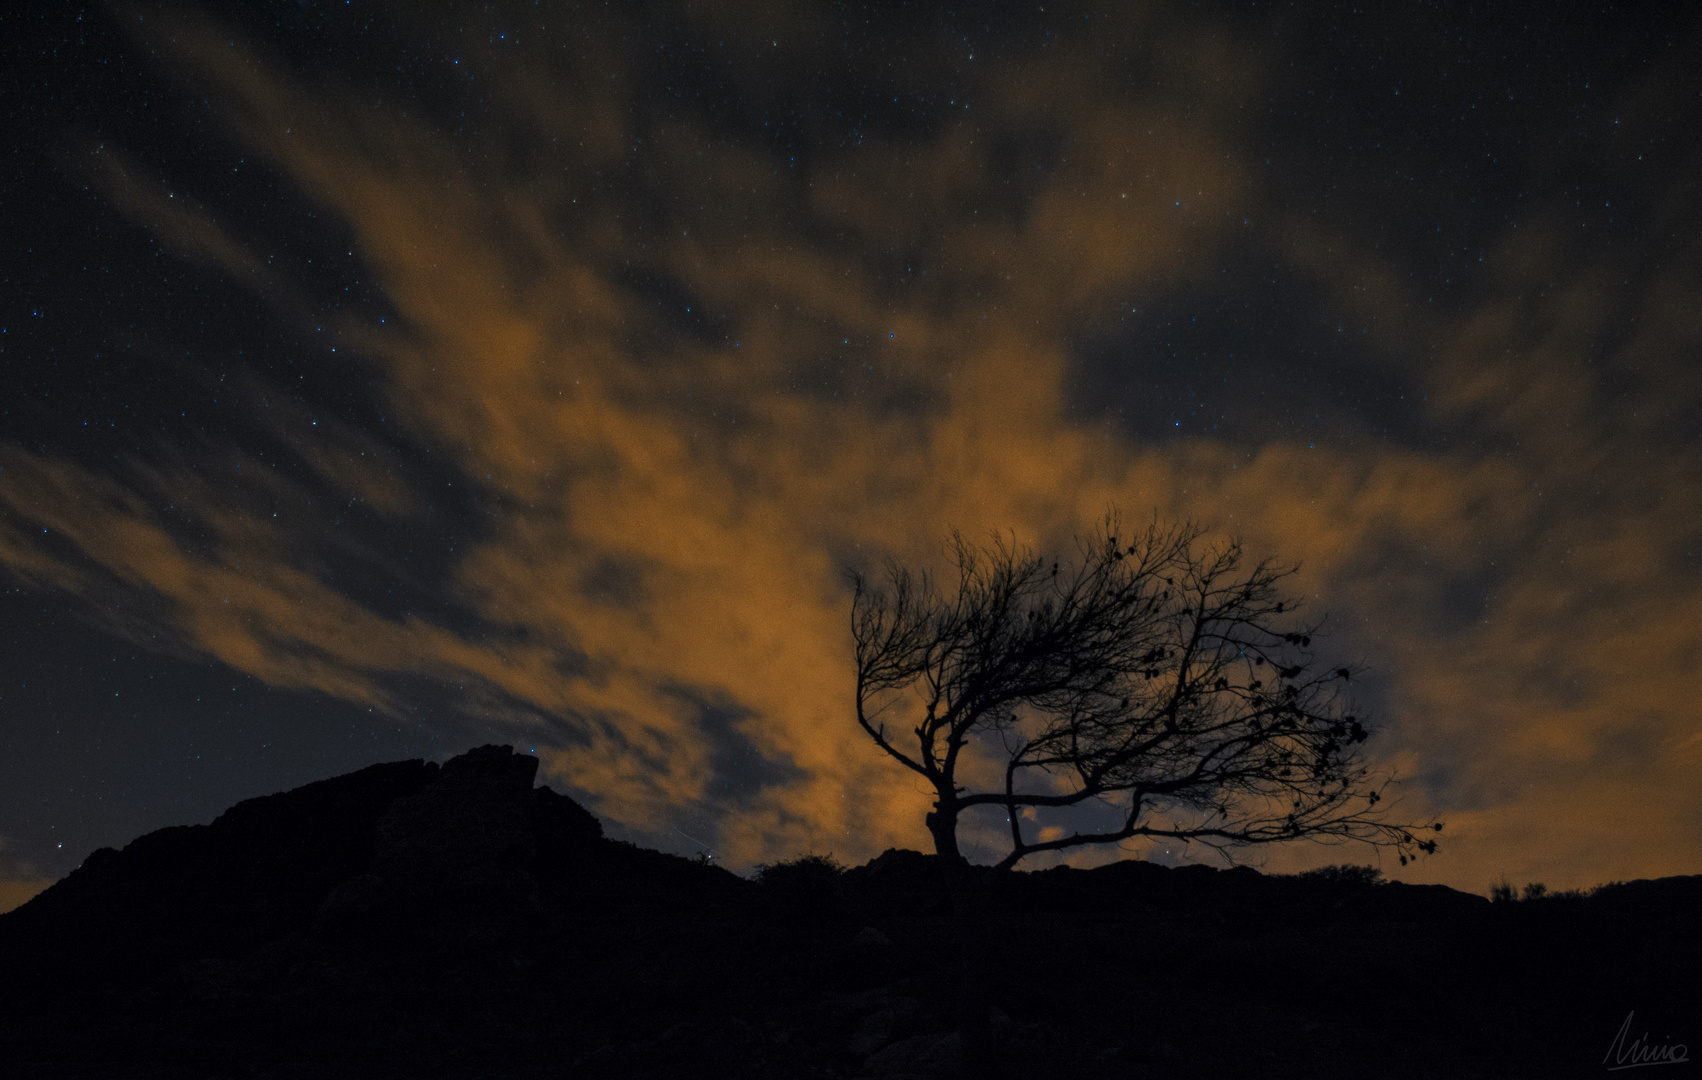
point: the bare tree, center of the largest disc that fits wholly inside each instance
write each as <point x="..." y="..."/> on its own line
<point x="1156" y="675"/>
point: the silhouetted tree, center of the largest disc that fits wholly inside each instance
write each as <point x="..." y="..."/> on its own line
<point x="1154" y="673"/>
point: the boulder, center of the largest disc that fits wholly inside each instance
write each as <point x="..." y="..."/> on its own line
<point x="464" y="844"/>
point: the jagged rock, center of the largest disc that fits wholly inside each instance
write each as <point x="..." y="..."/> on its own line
<point x="255" y="874"/>
<point x="466" y="832"/>
<point x="464" y="844"/>
<point x="564" y="827"/>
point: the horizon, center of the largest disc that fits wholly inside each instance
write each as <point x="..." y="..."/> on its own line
<point x="1517" y="892"/>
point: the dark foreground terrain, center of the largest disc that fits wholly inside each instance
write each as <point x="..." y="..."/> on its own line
<point x="411" y="920"/>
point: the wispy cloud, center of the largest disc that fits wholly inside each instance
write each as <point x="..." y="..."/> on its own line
<point x="687" y="379"/>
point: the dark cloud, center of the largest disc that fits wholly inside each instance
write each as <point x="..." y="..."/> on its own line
<point x="549" y="371"/>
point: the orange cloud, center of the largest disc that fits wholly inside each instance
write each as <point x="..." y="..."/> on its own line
<point x="19" y="884"/>
<point x="884" y="352"/>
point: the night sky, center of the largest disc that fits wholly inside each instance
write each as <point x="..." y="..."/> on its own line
<point x="377" y="384"/>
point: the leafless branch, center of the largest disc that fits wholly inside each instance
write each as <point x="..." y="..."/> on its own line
<point x="1153" y="669"/>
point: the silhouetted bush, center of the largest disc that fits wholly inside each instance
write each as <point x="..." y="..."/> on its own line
<point x="806" y="868"/>
<point x="1502" y="892"/>
<point x="1345" y="874"/>
<point x="809" y="886"/>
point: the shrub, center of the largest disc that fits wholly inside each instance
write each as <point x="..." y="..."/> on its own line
<point x="1502" y="892"/>
<point x="808" y="886"/>
<point x="809" y="868"/>
<point x="1346" y="874"/>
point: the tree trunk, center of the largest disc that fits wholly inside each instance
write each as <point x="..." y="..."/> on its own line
<point x="973" y="1007"/>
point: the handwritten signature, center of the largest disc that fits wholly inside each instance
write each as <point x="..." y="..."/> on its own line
<point x="1640" y="1051"/>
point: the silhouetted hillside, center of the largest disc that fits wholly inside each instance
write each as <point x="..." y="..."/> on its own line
<point x="411" y="920"/>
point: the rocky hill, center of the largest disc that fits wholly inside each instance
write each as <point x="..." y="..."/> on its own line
<point x="412" y="920"/>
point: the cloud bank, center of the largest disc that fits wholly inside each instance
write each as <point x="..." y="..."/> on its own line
<point x="685" y="372"/>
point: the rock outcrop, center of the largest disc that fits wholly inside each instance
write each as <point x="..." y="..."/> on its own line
<point x="451" y="921"/>
<point x="462" y="850"/>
